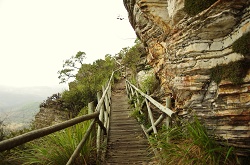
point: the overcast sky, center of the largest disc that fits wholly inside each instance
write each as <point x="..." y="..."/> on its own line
<point x="37" y="35"/>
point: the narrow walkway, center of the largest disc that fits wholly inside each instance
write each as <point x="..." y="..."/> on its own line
<point x="127" y="143"/>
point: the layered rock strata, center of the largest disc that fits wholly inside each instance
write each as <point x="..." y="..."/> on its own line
<point x="183" y="49"/>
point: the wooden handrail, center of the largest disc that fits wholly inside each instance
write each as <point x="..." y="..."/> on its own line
<point x="167" y="114"/>
<point x="164" y="109"/>
<point x="27" y="137"/>
<point x="101" y="119"/>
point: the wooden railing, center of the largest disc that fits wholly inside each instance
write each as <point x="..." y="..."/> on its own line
<point x="167" y="114"/>
<point x="100" y="115"/>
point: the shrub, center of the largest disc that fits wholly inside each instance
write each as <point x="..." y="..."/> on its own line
<point x="242" y="45"/>
<point x="2" y="133"/>
<point x="139" y="116"/>
<point x="190" y="144"/>
<point x="234" y="71"/>
<point x="149" y="84"/>
<point x="193" y="7"/>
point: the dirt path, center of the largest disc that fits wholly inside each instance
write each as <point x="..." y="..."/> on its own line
<point x="127" y="143"/>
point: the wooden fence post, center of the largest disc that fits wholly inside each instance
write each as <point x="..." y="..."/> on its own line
<point x="98" y="136"/>
<point x="91" y="107"/>
<point x="106" y="102"/>
<point x="168" y="119"/>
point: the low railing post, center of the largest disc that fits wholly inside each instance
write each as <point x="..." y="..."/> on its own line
<point x="168" y="119"/>
<point x="137" y="98"/>
<point x="99" y="130"/>
<point x="91" y="107"/>
<point x="151" y="116"/>
<point x="106" y="102"/>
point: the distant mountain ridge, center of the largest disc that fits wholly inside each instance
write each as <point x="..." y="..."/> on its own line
<point x="19" y="105"/>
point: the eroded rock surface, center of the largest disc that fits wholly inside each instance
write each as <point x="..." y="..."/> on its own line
<point x="49" y="116"/>
<point x="182" y="49"/>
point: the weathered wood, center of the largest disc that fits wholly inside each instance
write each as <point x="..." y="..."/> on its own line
<point x="157" y="122"/>
<point x="101" y="125"/>
<point x="98" y="136"/>
<point x="91" y="107"/>
<point x="150" y="116"/>
<point x="168" y="119"/>
<point x="127" y="143"/>
<point x="106" y="104"/>
<point x="168" y="111"/>
<point x="27" y="137"/>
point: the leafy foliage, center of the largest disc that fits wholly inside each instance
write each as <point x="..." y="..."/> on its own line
<point x="131" y="56"/>
<point x="53" y="101"/>
<point x="190" y="144"/>
<point x="234" y="71"/>
<point x="149" y="84"/>
<point x="139" y="116"/>
<point x="193" y="7"/>
<point x="70" y="66"/>
<point x="88" y="81"/>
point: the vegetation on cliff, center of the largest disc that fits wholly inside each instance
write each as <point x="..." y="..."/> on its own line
<point x="88" y="80"/>
<point x="190" y="144"/>
<point x="234" y="72"/>
<point x="131" y="56"/>
<point x="242" y="45"/>
<point x="193" y="7"/>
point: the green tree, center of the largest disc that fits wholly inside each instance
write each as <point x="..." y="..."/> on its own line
<point x="88" y="81"/>
<point x="131" y="56"/>
<point x="71" y="66"/>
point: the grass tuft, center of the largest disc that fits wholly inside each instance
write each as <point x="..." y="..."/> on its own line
<point x="188" y="145"/>
<point x="58" y="147"/>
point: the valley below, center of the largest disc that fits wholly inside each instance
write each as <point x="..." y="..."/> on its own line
<point x="19" y="105"/>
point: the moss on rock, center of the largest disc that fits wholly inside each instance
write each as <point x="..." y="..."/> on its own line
<point x="193" y="7"/>
<point x="242" y="45"/>
<point x="234" y="72"/>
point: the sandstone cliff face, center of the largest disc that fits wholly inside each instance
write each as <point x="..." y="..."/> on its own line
<point x="182" y="49"/>
<point x="48" y="116"/>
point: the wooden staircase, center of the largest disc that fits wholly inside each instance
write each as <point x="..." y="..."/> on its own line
<point x="127" y="143"/>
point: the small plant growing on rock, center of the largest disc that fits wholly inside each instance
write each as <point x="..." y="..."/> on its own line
<point x="149" y="84"/>
<point x="193" y="7"/>
<point x="242" y="45"/>
<point x="234" y="71"/>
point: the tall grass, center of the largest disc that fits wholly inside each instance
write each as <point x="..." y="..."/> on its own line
<point x="57" y="148"/>
<point x="190" y="145"/>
